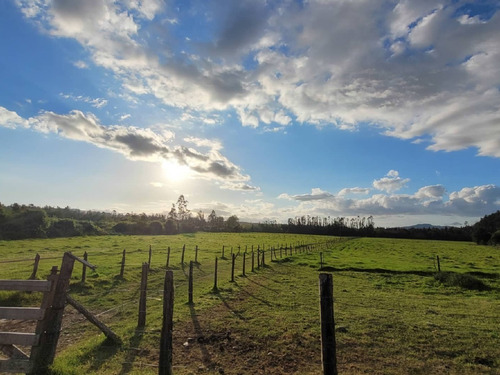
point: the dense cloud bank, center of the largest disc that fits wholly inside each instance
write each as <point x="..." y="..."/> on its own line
<point x="426" y="71"/>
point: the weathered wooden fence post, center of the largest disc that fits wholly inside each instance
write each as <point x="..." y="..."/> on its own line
<point x="253" y="260"/>
<point x="122" y="269"/>
<point x="263" y="258"/>
<point x="183" y="251"/>
<point x="165" y="363"/>
<point x="196" y="254"/>
<point x="233" y="257"/>
<point x="222" y="251"/>
<point x="244" y="261"/>
<point x="149" y="259"/>
<point x="215" y="274"/>
<point x="168" y="256"/>
<point x="141" y="321"/>
<point x="190" y="283"/>
<point x="35" y="267"/>
<point x="438" y="263"/>
<point x="51" y="325"/>
<point x="328" y="345"/>
<point x="38" y="354"/>
<point x="84" y="267"/>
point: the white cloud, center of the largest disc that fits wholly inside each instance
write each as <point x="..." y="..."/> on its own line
<point x="316" y="194"/>
<point x="80" y="64"/>
<point x="428" y="200"/>
<point x="11" y="119"/>
<point x="391" y="183"/>
<point x="355" y="190"/>
<point x="136" y="144"/>
<point x="412" y="68"/>
<point x="94" y="102"/>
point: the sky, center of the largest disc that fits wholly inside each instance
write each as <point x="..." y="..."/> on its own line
<point x="267" y="110"/>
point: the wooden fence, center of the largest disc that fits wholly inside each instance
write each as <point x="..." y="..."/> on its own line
<point x="19" y="361"/>
<point x="49" y="316"/>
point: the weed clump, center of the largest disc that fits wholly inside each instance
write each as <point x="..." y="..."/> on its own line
<point x="461" y="280"/>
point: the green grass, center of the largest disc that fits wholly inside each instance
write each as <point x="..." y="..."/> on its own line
<point x="394" y="313"/>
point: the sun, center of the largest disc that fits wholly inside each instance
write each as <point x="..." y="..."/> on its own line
<point x="175" y="172"/>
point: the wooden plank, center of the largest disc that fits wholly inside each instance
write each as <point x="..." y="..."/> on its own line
<point x="22" y="313"/>
<point x="13" y="352"/>
<point x="18" y="338"/>
<point x="15" y="366"/>
<point x="25" y="285"/>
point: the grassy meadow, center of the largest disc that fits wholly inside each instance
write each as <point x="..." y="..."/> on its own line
<point x="393" y="315"/>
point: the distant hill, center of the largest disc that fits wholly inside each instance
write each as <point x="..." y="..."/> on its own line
<point x="424" y="226"/>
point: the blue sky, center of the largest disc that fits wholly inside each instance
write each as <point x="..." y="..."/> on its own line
<point x="263" y="109"/>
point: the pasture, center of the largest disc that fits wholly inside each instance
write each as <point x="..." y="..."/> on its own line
<point x="393" y="316"/>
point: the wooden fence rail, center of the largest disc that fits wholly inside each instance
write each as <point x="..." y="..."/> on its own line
<point x="18" y="361"/>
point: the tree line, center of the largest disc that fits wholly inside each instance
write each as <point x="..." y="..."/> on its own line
<point x="29" y="221"/>
<point x="19" y="221"/>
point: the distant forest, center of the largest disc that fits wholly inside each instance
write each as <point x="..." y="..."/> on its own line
<point x="19" y="221"/>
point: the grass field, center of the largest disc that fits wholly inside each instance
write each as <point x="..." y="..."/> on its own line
<point x="393" y="316"/>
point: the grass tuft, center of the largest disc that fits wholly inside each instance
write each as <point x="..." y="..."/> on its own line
<point x="461" y="280"/>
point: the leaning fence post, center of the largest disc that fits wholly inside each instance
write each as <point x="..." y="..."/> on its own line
<point x="190" y="283"/>
<point x="165" y="363"/>
<point x="84" y="267"/>
<point x="183" y="251"/>
<point x="141" y="322"/>
<point x="122" y="269"/>
<point x="328" y="349"/>
<point x="35" y="267"/>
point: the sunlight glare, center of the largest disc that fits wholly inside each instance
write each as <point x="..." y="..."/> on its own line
<point x="175" y="172"/>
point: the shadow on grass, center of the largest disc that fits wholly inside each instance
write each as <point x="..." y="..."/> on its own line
<point x="133" y="352"/>
<point x="224" y="300"/>
<point x="207" y="360"/>
<point x="102" y="352"/>
<point x="468" y="280"/>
